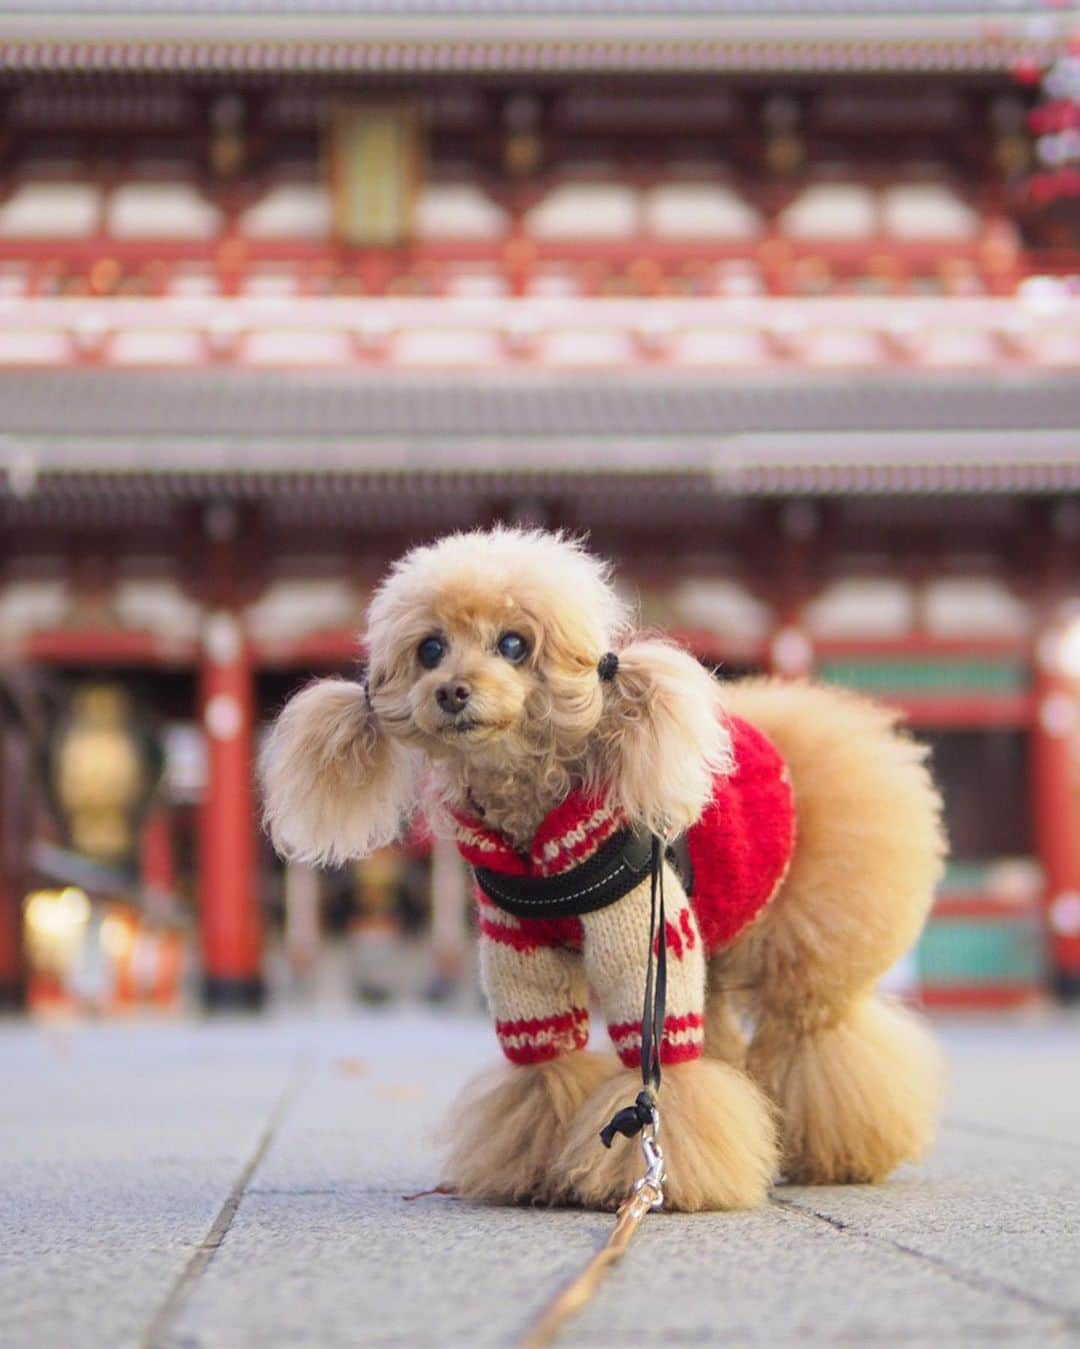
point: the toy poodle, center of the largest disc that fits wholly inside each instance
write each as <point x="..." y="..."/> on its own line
<point x="507" y="692"/>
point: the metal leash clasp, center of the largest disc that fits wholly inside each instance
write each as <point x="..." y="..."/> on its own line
<point x="655" y="1175"/>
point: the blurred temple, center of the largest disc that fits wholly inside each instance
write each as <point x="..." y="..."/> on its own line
<point x="780" y="302"/>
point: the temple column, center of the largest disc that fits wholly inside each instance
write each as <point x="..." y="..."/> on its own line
<point x="1056" y="823"/>
<point x="794" y="529"/>
<point x="230" y="928"/>
<point x="13" y="832"/>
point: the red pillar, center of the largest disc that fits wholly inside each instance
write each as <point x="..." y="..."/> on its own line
<point x="228" y="899"/>
<point x="1057" y="822"/>
<point x="157" y="863"/>
<point x="795" y="531"/>
<point x="12" y="877"/>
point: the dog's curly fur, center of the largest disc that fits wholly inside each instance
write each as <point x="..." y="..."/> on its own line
<point x="851" y="1082"/>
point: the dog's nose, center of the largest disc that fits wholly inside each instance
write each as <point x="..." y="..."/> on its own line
<point x="452" y="697"/>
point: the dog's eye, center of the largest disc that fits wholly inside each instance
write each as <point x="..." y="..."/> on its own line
<point x="512" y="647"/>
<point x="430" y="651"/>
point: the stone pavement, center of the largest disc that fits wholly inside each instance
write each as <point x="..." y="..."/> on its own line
<point x="231" y="1184"/>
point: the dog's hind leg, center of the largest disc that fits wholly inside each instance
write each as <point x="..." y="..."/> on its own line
<point x="725" y="1037"/>
<point x="506" y="1127"/>
<point x="857" y="1080"/>
<point x="857" y="1087"/>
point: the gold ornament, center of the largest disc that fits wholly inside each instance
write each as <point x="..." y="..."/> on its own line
<point x="1013" y="154"/>
<point x="784" y="153"/>
<point x="100" y="774"/>
<point x="523" y="152"/>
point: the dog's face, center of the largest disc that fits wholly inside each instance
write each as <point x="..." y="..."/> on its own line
<point x="490" y="641"/>
<point x="483" y="651"/>
<point x="467" y="678"/>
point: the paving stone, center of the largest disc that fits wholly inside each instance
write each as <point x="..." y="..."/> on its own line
<point x="290" y="1143"/>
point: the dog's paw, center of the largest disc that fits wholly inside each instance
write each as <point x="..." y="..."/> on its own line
<point x="505" y="1130"/>
<point x="717" y="1133"/>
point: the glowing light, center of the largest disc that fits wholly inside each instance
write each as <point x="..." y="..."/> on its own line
<point x="1069" y="649"/>
<point x="56" y="926"/>
<point x="117" y="937"/>
<point x="57" y="913"/>
<point x="75" y="905"/>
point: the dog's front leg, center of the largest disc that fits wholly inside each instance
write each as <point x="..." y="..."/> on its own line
<point x="717" y="1129"/>
<point x="507" y="1127"/>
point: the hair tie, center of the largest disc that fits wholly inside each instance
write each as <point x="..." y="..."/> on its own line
<point x="609" y="664"/>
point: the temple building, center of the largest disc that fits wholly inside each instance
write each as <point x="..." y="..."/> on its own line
<point x="782" y="309"/>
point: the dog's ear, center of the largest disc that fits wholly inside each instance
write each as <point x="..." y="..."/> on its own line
<point x="662" y="736"/>
<point x="335" y="785"/>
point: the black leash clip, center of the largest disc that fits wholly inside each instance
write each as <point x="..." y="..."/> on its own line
<point x="631" y="1120"/>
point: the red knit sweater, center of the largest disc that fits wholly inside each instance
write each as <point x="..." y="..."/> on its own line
<point x="740" y="847"/>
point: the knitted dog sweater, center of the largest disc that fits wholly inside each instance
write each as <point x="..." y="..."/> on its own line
<point x="740" y="849"/>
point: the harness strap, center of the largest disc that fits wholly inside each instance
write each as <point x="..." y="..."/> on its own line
<point x="612" y="872"/>
<point x="655" y="1006"/>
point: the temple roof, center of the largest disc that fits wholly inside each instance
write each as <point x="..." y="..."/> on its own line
<point x="471" y="36"/>
<point x="983" y="9"/>
<point x="755" y="435"/>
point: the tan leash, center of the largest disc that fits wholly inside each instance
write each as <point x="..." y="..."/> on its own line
<point x="648" y="1193"/>
<point x="640" y="1119"/>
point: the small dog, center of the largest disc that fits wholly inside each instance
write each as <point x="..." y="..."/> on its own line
<point x="506" y="688"/>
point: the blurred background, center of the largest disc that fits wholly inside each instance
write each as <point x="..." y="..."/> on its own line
<point x="779" y="301"/>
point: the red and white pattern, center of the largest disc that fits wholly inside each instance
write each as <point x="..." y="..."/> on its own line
<point x="534" y="1039"/>
<point x="573" y="832"/>
<point x="681" y="1041"/>
<point x="535" y="986"/>
<point x="537" y="972"/>
<point x="616" y="953"/>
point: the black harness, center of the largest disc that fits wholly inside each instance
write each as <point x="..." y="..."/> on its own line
<point x="615" y="869"/>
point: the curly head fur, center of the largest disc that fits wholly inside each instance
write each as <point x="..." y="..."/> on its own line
<point x="483" y="652"/>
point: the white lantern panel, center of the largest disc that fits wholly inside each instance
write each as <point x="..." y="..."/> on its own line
<point x="831" y="211"/>
<point x="862" y="607"/>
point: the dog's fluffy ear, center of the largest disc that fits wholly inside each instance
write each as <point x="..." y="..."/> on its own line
<point x="335" y="786"/>
<point x="662" y="737"/>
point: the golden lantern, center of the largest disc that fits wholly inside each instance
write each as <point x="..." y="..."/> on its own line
<point x="102" y="771"/>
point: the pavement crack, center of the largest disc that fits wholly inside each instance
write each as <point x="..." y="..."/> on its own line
<point x="203" y="1254"/>
<point x="1010" y="1135"/>
<point x="1066" y="1318"/>
<point x="343" y="1189"/>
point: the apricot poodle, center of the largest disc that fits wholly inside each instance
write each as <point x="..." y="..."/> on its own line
<point x="507" y="692"/>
